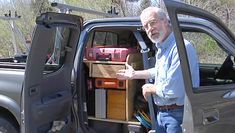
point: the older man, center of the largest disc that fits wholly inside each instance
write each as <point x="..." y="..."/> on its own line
<point x="168" y="89"/>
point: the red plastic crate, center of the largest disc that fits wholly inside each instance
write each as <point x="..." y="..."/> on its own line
<point x="108" y="53"/>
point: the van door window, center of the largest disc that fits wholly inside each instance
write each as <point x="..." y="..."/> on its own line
<point x="57" y="50"/>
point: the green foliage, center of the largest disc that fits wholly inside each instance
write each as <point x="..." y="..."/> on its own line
<point x="40" y="6"/>
<point x="227" y="1"/>
<point x="30" y="10"/>
<point x="210" y="47"/>
<point x="6" y="48"/>
<point x="210" y="44"/>
<point x="145" y="3"/>
<point x="207" y="48"/>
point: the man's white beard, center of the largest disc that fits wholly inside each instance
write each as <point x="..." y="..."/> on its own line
<point x="159" y="39"/>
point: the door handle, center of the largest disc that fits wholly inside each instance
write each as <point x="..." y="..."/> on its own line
<point x="210" y="116"/>
<point x="210" y="119"/>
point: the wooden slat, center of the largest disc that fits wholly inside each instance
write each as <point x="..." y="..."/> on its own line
<point x="135" y="60"/>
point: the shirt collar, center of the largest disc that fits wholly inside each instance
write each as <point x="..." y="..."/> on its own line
<point x="167" y="43"/>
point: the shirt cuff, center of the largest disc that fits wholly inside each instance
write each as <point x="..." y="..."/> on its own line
<point x="152" y="72"/>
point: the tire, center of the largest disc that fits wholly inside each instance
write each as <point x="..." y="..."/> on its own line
<point x="7" y="126"/>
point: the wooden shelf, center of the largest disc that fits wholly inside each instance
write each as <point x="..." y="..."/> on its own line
<point x="134" y="122"/>
<point x="108" y="69"/>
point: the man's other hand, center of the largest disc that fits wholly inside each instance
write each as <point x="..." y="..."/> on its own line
<point x="148" y="89"/>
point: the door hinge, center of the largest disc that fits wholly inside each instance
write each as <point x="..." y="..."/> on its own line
<point x="22" y="116"/>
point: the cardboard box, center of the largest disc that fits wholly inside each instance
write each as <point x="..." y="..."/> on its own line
<point x="105" y="70"/>
<point x="100" y="103"/>
<point x="116" y="104"/>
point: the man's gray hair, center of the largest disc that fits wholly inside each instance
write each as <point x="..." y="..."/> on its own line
<point x="161" y="14"/>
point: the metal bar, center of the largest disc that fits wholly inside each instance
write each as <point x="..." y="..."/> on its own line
<point x="9" y="18"/>
<point x="12" y="23"/>
<point x="69" y="8"/>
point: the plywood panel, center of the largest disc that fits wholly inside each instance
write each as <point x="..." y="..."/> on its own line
<point x="105" y="70"/>
<point x="135" y="60"/>
<point x="116" y="108"/>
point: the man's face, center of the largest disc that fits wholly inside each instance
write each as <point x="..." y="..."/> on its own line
<point x="154" y="27"/>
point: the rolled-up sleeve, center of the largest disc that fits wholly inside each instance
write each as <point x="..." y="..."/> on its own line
<point x="152" y="72"/>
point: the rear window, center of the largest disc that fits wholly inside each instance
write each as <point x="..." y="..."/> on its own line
<point x="111" y="38"/>
<point x="105" y="39"/>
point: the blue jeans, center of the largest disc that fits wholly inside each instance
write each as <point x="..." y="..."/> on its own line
<point x="170" y="121"/>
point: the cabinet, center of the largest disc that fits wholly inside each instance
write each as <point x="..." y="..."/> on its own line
<point x="119" y="102"/>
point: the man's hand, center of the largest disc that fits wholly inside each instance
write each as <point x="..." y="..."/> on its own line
<point x="148" y="89"/>
<point x="126" y="73"/>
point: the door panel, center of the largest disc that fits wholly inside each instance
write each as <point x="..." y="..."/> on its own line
<point x="211" y="112"/>
<point x="47" y="93"/>
<point x="207" y="109"/>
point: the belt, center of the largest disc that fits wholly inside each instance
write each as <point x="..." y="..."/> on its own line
<point x="170" y="107"/>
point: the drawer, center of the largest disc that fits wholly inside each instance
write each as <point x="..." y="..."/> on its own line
<point x="105" y="70"/>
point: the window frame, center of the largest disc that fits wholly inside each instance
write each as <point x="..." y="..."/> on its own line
<point x="215" y="33"/>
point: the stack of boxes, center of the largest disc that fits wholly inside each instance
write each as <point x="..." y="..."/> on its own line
<point x="116" y="95"/>
<point x="110" y="93"/>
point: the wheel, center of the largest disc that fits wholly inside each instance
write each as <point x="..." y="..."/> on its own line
<point x="7" y="126"/>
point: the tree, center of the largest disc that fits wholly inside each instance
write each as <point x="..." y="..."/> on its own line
<point x="40" y="6"/>
<point x="224" y="9"/>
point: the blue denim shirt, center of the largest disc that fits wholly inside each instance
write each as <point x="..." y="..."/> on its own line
<point x="168" y="75"/>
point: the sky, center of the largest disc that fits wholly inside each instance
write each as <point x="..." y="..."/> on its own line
<point x="7" y="1"/>
<point x="3" y="1"/>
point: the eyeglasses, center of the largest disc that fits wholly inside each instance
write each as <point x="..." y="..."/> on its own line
<point x="151" y="23"/>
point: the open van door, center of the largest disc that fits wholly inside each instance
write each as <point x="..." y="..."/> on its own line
<point x="46" y="102"/>
<point x="211" y="107"/>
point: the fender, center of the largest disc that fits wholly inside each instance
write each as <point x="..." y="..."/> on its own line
<point x="11" y="106"/>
